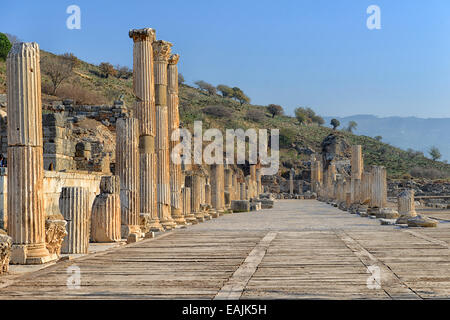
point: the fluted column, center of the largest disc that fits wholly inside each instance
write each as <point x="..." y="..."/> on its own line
<point x="258" y="182"/>
<point x="406" y="206"/>
<point x="217" y="187"/>
<point x="379" y="187"/>
<point x="144" y="109"/>
<point x="357" y="167"/>
<point x="196" y="190"/>
<point x="105" y="217"/>
<point x="186" y="195"/>
<point x="26" y="217"/>
<point x="74" y="206"/>
<point x="228" y="187"/>
<point x="366" y="188"/>
<point x="161" y="54"/>
<point x="174" y="123"/>
<point x="127" y="168"/>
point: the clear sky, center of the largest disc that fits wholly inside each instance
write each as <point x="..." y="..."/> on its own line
<point x="316" y="53"/>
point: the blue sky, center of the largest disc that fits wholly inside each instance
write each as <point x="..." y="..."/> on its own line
<point x="316" y="53"/>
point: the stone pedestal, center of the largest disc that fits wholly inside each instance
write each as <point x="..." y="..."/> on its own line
<point x="74" y="206"/>
<point x="105" y="218"/>
<point x="127" y="169"/>
<point x="26" y="218"/>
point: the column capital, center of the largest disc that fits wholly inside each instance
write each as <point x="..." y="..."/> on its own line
<point x="161" y="50"/>
<point x="174" y="59"/>
<point x="142" y="34"/>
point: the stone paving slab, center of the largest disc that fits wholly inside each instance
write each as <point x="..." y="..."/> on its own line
<point x="315" y="252"/>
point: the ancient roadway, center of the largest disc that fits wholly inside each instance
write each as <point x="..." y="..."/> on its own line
<point x="301" y="249"/>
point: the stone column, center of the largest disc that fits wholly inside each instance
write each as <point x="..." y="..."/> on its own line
<point x="217" y="188"/>
<point x="406" y="206"/>
<point x="127" y="168"/>
<point x="366" y="187"/>
<point x="105" y="218"/>
<point x="291" y="180"/>
<point x="228" y="187"/>
<point x="379" y="187"/>
<point x="242" y="191"/>
<point x="357" y="170"/>
<point x="74" y="206"/>
<point x="144" y="109"/>
<point x="186" y="194"/>
<point x="161" y="54"/>
<point x="5" y="252"/>
<point x="26" y="216"/>
<point x="193" y="181"/>
<point x="258" y="182"/>
<point x="174" y="123"/>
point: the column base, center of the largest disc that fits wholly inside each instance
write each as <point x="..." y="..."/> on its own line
<point x="200" y="217"/>
<point x="191" y="219"/>
<point x="168" y="224"/>
<point x="178" y="217"/>
<point x="155" y="225"/>
<point x="31" y="254"/>
<point x="126" y="230"/>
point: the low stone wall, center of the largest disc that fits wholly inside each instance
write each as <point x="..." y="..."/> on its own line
<point x="53" y="184"/>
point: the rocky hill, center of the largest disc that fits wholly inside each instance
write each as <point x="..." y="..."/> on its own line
<point x="297" y="141"/>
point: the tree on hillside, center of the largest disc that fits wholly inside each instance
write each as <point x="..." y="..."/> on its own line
<point x="57" y="68"/>
<point x="335" y="123"/>
<point x="378" y="138"/>
<point x="226" y="91"/>
<point x="205" y="86"/>
<point x="240" y="96"/>
<point x="275" y="110"/>
<point x="351" y="126"/>
<point x="5" y="46"/>
<point x="71" y="59"/>
<point x="123" y="72"/>
<point x="435" y="153"/>
<point x="107" y="69"/>
<point x="180" y="79"/>
<point x="301" y="115"/>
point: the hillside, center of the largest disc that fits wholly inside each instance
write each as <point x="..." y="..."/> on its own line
<point x="227" y="113"/>
<point x="405" y="132"/>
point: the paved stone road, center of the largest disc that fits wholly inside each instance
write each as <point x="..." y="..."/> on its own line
<point x="300" y="249"/>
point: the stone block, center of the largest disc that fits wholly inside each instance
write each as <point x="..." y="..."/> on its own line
<point x="240" y="205"/>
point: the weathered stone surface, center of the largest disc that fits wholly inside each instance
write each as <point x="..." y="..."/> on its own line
<point x="240" y="205"/>
<point x="217" y="187"/>
<point x="379" y="187"/>
<point x="406" y="206"/>
<point x="5" y="252"/>
<point x="105" y="219"/>
<point x="55" y="232"/>
<point x="75" y="208"/>
<point x="26" y="222"/>
<point x="421" y="221"/>
<point x="188" y="215"/>
<point x="127" y="169"/>
<point x="387" y="213"/>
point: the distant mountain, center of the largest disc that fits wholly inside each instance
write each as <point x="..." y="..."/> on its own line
<point x="409" y="132"/>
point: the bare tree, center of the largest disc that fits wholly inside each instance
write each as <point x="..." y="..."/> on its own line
<point x="57" y="68"/>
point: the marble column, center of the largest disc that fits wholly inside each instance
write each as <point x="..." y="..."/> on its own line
<point x="161" y="55"/>
<point x="406" y="206"/>
<point x="186" y="195"/>
<point x="144" y="109"/>
<point x="174" y="123"/>
<point x="105" y="216"/>
<point x="258" y="182"/>
<point x="357" y="166"/>
<point x="217" y="188"/>
<point x="379" y="187"/>
<point x="127" y="168"/>
<point x="228" y="187"/>
<point x="26" y="216"/>
<point x="74" y="206"/>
